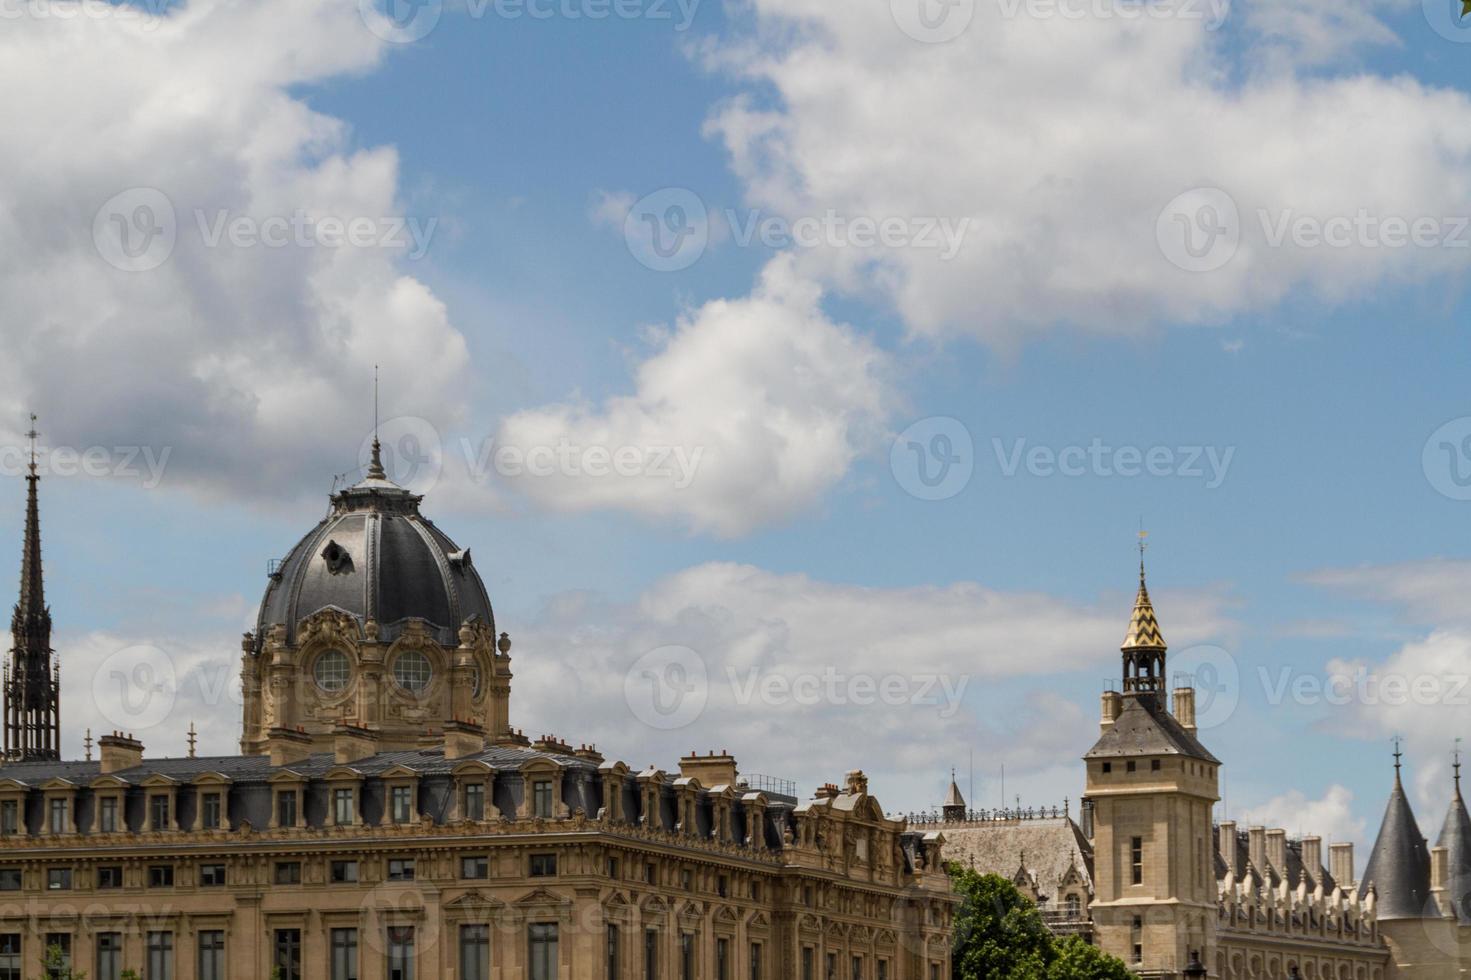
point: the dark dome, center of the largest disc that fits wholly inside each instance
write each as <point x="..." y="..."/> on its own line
<point x="376" y="557"/>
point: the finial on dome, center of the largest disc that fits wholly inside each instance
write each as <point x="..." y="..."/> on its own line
<point x="375" y="464"/>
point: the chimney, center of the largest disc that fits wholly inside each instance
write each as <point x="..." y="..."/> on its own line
<point x="1185" y="708"/>
<point x="1277" y="850"/>
<point x="552" y="745"/>
<point x="285" y="746"/>
<point x="119" y="752"/>
<point x="1256" y="847"/>
<point x="1113" y="703"/>
<point x="711" y="769"/>
<point x="351" y="743"/>
<point x="1226" y="844"/>
<point x="462" y="739"/>
<point x="1342" y="858"/>
<point x="1312" y="857"/>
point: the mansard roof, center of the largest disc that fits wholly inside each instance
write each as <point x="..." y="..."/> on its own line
<point x="1145" y="727"/>
<point x="1455" y="837"/>
<point x="1399" y="866"/>
<point x="1049" y="847"/>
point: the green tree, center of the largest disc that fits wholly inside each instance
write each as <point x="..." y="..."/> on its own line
<point x="999" y="935"/>
<point x="1080" y="960"/>
<point x="55" y="967"/>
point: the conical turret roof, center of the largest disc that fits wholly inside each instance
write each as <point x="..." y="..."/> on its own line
<point x="1455" y="837"/>
<point x="953" y="797"/>
<point x="1144" y="632"/>
<point x="1399" y="866"/>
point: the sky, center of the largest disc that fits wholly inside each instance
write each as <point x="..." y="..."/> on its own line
<point x="801" y="374"/>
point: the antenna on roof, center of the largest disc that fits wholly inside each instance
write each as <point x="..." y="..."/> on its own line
<point x="87" y="744"/>
<point x="193" y="739"/>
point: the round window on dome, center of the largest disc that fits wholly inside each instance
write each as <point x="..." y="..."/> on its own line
<point x="332" y="671"/>
<point x="412" y="671"/>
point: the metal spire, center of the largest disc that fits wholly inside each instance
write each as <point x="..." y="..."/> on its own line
<point x="32" y="705"/>
<point x="375" y="465"/>
<point x="1456" y="766"/>
<point x="1398" y="755"/>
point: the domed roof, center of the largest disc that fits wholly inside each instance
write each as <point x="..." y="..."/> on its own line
<point x="376" y="557"/>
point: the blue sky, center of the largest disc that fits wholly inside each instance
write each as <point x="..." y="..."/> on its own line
<point x="1065" y="320"/>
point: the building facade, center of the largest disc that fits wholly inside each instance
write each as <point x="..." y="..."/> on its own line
<point x="384" y="821"/>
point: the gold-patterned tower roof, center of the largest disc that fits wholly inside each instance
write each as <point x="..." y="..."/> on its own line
<point x="1144" y="632"/>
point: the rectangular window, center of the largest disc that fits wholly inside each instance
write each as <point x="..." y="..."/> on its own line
<point x="832" y="966"/>
<point x="158" y="813"/>
<point x="755" y="891"/>
<point x="161" y="876"/>
<point x="401" y="869"/>
<point x="210" y="812"/>
<point x="58" y="879"/>
<point x="342" y="807"/>
<point x="160" y="956"/>
<point x="1137" y="938"/>
<point x="475" y="868"/>
<point x="110" y="955"/>
<point x="542" y="938"/>
<point x="58" y="816"/>
<point x="543" y="865"/>
<point x="883" y="973"/>
<point x="474" y="801"/>
<point x="1131" y="766"/>
<point x="613" y="868"/>
<point x="687" y="879"/>
<point x="109" y="876"/>
<point x="722" y="959"/>
<point x="344" y="872"/>
<point x="755" y="961"/>
<point x="344" y="954"/>
<point x="722" y="886"/>
<point x="1136" y="859"/>
<point x="107" y="815"/>
<point x="857" y="973"/>
<point x="650" y="873"/>
<point x="400" y="953"/>
<point x="613" y="958"/>
<point x="475" y="953"/>
<point x="686" y="956"/>
<point x="402" y="804"/>
<point x="286" y="955"/>
<point x="9" y="817"/>
<point x="1154" y="765"/>
<point x="10" y="956"/>
<point x="286" y="808"/>
<point x="211" y="954"/>
<point x="288" y="872"/>
<point x="211" y="875"/>
<point x="10" y="879"/>
<point x="59" y="950"/>
<point x="541" y="798"/>
<point x="651" y="954"/>
<point x="808" y="957"/>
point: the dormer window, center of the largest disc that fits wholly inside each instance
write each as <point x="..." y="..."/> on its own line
<point x="541" y="798"/>
<point x="158" y="812"/>
<point x="210" y="816"/>
<point x="57" y="818"/>
<point x="107" y="815"/>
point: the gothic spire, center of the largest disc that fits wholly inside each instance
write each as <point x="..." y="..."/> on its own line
<point x="32" y="712"/>
<point x="1144" y="643"/>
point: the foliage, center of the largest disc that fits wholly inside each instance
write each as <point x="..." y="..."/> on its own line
<point x="999" y="935"/>
<point x="54" y="966"/>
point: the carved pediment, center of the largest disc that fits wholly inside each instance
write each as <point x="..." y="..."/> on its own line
<point x="329" y="625"/>
<point x="475" y="901"/>
<point x="57" y="782"/>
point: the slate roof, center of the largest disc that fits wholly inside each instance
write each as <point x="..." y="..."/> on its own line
<point x="1272" y="877"/>
<point x="1455" y="837"/>
<point x="1048" y="846"/>
<point x="1145" y="727"/>
<point x="1399" y="865"/>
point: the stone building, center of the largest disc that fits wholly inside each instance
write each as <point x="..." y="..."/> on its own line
<point x="384" y="821"/>
<point x="1153" y="879"/>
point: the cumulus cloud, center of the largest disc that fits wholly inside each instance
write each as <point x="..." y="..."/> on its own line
<point x="201" y="261"/>
<point x="746" y="413"/>
<point x="1430" y="591"/>
<point x="1070" y="140"/>
<point x="1330" y="816"/>
<point x="1316" y="32"/>
<point x="745" y="658"/>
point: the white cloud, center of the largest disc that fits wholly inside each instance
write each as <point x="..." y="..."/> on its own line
<point x="1431" y="590"/>
<point x="744" y="415"/>
<point x="252" y="364"/>
<point x="1329" y="817"/>
<point x="1065" y="138"/>
<point x="1317" y="32"/>
<point x="877" y="678"/>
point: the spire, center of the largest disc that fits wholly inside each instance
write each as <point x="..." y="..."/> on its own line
<point x="32" y="707"/>
<point x="954" y="806"/>
<point x="1399" y="866"/>
<point x="1455" y="837"/>
<point x="375" y="465"/>
<point x="1144" y="643"/>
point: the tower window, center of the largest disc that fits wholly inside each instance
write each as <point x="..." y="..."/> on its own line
<point x="1108" y="767"/>
<point x="1132" y="766"/>
<point x="1136" y="858"/>
<point x="1154" y="765"/>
